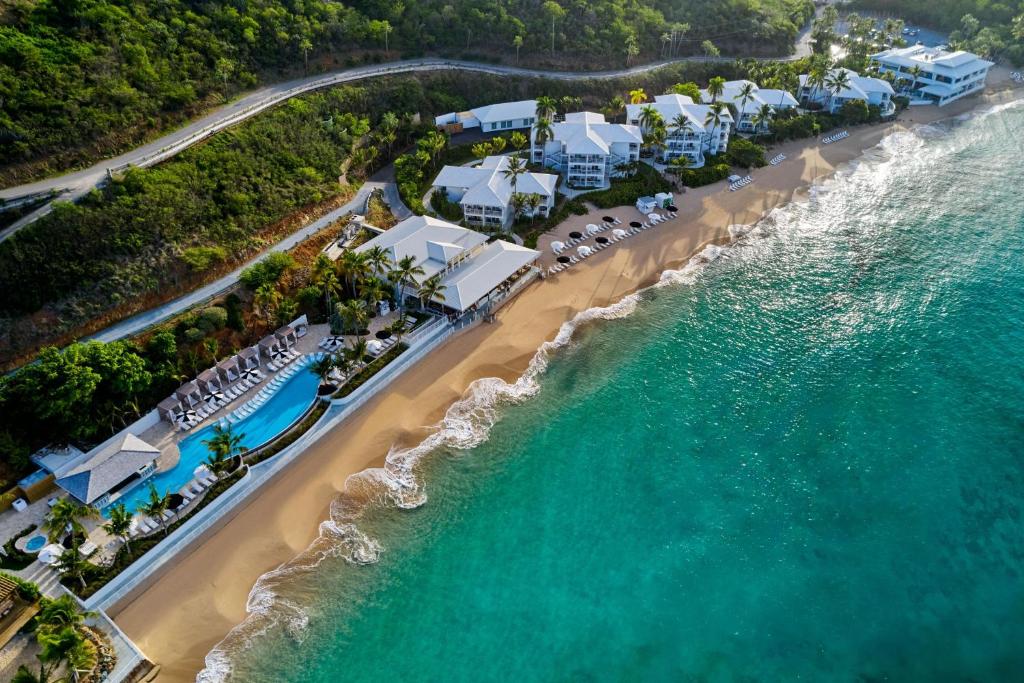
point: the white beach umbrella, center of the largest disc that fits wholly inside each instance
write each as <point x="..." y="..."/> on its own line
<point x="374" y="345"/>
<point x="592" y="229"/>
<point x="557" y="246"/>
<point x="654" y="216"/>
<point x="201" y="471"/>
<point x="584" y="250"/>
<point x="619" y="232"/>
<point x="51" y="553"/>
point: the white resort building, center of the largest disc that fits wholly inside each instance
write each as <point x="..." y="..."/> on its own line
<point x="746" y="109"/>
<point x="486" y="194"/>
<point x="697" y="137"/>
<point x="588" y="149"/>
<point x="115" y="465"/>
<point x="473" y="273"/>
<point x="492" y="118"/>
<point x="871" y="91"/>
<point x="931" y="75"/>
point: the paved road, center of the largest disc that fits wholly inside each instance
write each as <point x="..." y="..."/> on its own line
<point x="141" y="321"/>
<point x="73" y="185"/>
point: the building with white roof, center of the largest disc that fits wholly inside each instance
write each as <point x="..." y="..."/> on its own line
<point x="690" y="134"/>
<point x="934" y="75"/>
<point x="778" y="100"/>
<point x="485" y="192"/>
<point x="588" y="149"/>
<point x="493" y="118"/>
<point x="472" y="271"/>
<point x="871" y="91"/>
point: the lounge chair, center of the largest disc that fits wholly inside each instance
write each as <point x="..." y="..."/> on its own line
<point x="209" y="481"/>
<point x="196" y="488"/>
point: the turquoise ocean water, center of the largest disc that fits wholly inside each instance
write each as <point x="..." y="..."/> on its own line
<point x="804" y="461"/>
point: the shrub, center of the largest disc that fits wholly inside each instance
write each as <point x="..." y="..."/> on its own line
<point x="745" y="154"/>
<point x="26" y="589"/>
<point x="709" y="173"/>
<point x="13" y="558"/>
<point x="194" y="335"/>
<point x="269" y="270"/>
<point x="201" y="258"/>
<point x="236" y="318"/>
<point x="370" y="370"/>
<point x="625" y="191"/>
<point x="444" y="207"/>
<point x="854" y="112"/>
<point x="212" y="318"/>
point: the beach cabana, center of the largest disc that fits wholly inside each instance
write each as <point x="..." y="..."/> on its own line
<point x="269" y="347"/>
<point x="111" y="467"/>
<point x="189" y="394"/>
<point x="248" y="358"/>
<point x="170" y="408"/>
<point x="229" y="369"/>
<point x="287" y="336"/>
<point x="301" y="326"/>
<point x="209" y="380"/>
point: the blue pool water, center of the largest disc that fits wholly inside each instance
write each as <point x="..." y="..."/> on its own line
<point x="283" y="408"/>
<point x="35" y="544"/>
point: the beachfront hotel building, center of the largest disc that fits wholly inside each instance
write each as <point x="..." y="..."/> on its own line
<point x="473" y="271"/>
<point x="485" y="193"/>
<point x="746" y="109"/>
<point x="931" y="75"/>
<point x="587" y="149"/>
<point x="871" y="91"/>
<point x="492" y="118"/>
<point x="696" y="137"/>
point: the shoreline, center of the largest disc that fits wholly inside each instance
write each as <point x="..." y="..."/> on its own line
<point x="193" y="605"/>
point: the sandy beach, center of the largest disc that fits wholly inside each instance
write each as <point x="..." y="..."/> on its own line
<point x="193" y="606"/>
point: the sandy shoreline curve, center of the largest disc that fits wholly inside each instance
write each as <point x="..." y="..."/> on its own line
<point x="178" y="619"/>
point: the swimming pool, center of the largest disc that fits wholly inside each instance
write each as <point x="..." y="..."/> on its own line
<point x="269" y="420"/>
<point x="35" y="544"/>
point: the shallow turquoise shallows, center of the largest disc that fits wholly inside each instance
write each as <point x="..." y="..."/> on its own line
<point x="280" y="410"/>
<point x="806" y="465"/>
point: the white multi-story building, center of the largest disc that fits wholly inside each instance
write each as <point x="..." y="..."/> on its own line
<point x="493" y="118"/>
<point x="872" y="91"/>
<point x="940" y="76"/>
<point x="588" y="149"/>
<point x="473" y="271"/>
<point x="485" y="192"/>
<point x="747" y="109"/>
<point x="690" y="131"/>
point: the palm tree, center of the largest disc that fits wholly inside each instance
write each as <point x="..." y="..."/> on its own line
<point x="325" y="277"/>
<point x="637" y="96"/>
<point x="616" y="106"/>
<point x="224" y="446"/>
<point x="762" y="118"/>
<point x="404" y="271"/>
<point x="397" y="328"/>
<point x="515" y="168"/>
<point x="716" y="86"/>
<point x="649" y="117"/>
<point x="745" y="94"/>
<point x="517" y="140"/>
<point x="838" y="81"/>
<point x="546" y="108"/>
<point x="377" y="259"/>
<point x="498" y="145"/>
<point x="714" y="117"/>
<point x="156" y="506"/>
<point x="542" y="131"/>
<point x="357" y="352"/>
<point x="119" y="524"/>
<point x="817" y="75"/>
<point x="343" y="365"/>
<point x="353" y="266"/>
<point x="914" y="72"/>
<point x="353" y="312"/>
<point x="533" y="202"/>
<point x="431" y="288"/>
<point x="372" y="290"/>
<point x="266" y="299"/>
<point x="66" y="517"/>
<point x="322" y="367"/>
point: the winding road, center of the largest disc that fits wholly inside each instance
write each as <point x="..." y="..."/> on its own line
<point x="74" y="185"/>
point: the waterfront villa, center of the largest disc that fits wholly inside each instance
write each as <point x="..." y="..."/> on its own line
<point x="931" y="75"/>
<point x="473" y="273"/>
<point x="112" y="466"/>
<point x="486" y="194"/>
<point x="492" y="118"/>
<point x="747" y="108"/>
<point x="871" y="91"/>
<point x="696" y="137"/>
<point x="587" y="149"/>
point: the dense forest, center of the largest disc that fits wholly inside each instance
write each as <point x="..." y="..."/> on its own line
<point x="84" y="78"/>
<point x="993" y="29"/>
